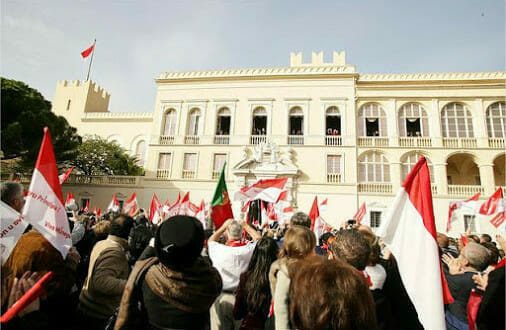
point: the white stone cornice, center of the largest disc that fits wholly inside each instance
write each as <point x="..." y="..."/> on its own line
<point x="117" y="115"/>
<point x="432" y="76"/>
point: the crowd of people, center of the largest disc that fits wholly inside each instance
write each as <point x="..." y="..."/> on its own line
<point x="126" y="273"/>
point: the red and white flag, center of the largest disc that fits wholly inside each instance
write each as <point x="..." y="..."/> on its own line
<point x="496" y="204"/>
<point x="86" y="207"/>
<point x="323" y="205"/>
<point x="267" y="190"/>
<point x="201" y="214"/>
<point x="359" y="216"/>
<point x="317" y="223"/>
<point x="192" y="209"/>
<point x="155" y="210"/>
<point x="94" y="210"/>
<point x="165" y="209"/>
<point x="408" y="229"/>
<point x="174" y="207"/>
<point x="12" y="227"/>
<point x="184" y="205"/>
<point x="264" y="218"/>
<point x="64" y="176"/>
<point x="272" y="214"/>
<point x="44" y="207"/>
<point x="130" y="205"/>
<point x="99" y="212"/>
<point x="469" y="204"/>
<point x="113" y="205"/>
<point x="85" y="53"/>
<point x="70" y="200"/>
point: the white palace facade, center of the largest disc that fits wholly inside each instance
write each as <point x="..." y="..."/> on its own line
<point x="332" y="131"/>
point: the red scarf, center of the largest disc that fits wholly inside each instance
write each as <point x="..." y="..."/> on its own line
<point x="235" y="243"/>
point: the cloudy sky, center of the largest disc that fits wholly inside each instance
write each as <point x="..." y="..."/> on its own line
<point x="41" y="41"/>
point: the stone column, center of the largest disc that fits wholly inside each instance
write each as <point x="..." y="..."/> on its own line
<point x="395" y="175"/>
<point x="479" y="126"/>
<point x="393" y="130"/>
<point x="435" y="124"/>
<point x="440" y="178"/>
<point x="487" y="178"/>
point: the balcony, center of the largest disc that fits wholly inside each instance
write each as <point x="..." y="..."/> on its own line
<point x="459" y="142"/>
<point x="372" y="141"/>
<point x="257" y="139"/>
<point x="334" y="177"/>
<point x="191" y="139"/>
<point x="418" y="141"/>
<point x="215" y="175"/>
<point x="496" y="143"/>
<point x="296" y="139"/>
<point x="188" y="174"/>
<point x="464" y="190"/>
<point x="333" y="140"/>
<point x="222" y="139"/>
<point x="166" y="139"/>
<point x="375" y="187"/>
<point x="162" y="174"/>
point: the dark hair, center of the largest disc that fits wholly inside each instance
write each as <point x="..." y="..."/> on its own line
<point x="474" y="238"/>
<point x="373" y="241"/>
<point x="257" y="290"/>
<point x="121" y="226"/>
<point x="329" y="294"/>
<point x="351" y="247"/>
<point x="10" y="191"/>
<point x="486" y="237"/>
<point x="493" y="252"/>
<point x="301" y="219"/>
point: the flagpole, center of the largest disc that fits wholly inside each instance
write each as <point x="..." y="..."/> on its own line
<point x="91" y="60"/>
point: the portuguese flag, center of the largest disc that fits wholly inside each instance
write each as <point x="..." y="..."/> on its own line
<point x="221" y="209"/>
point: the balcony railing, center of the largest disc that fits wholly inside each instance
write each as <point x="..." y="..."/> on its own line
<point x="332" y="140"/>
<point x="433" y="188"/>
<point x="496" y="143"/>
<point x="102" y="180"/>
<point x="222" y="139"/>
<point x="418" y="141"/>
<point x="296" y="139"/>
<point x="373" y="141"/>
<point x="191" y="139"/>
<point x="187" y="174"/>
<point x="257" y="139"/>
<point x="375" y="187"/>
<point x="464" y="190"/>
<point x="166" y="139"/>
<point x="162" y="174"/>
<point x="216" y="175"/>
<point x="459" y="142"/>
<point x="334" y="177"/>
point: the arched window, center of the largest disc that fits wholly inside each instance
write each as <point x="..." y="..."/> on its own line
<point x="409" y="160"/>
<point x="193" y="123"/>
<point x="169" y="123"/>
<point x="456" y="121"/>
<point x="140" y="152"/>
<point x="223" y="122"/>
<point x="373" y="167"/>
<point x="413" y="121"/>
<point x="496" y="120"/>
<point x="259" y="121"/>
<point x="332" y="121"/>
<point x="372" y="121"/>
<point x="296" y="121"/>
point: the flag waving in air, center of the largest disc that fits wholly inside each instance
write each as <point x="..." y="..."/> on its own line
<point x="44" y="207"/>
<point x="470" y="204"/>
<point x="408" y="229"/>
<point x="113" y="205"/>
<point x="221" y="209"/>
<point x="267" y="190"/>
<point x="85" y="53"/>
<point x="63" y="177"/>
<point x="496" y="204"/>
<point x="130" y="205"/>
<point x="155" y="211"/>
<point x="317" y="224"/>
<point x="359" y="216"/>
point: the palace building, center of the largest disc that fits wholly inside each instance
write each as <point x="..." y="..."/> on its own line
<point x="334" y="132"/>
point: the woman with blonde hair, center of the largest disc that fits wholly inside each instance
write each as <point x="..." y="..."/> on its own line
<point x="299" y="243"/>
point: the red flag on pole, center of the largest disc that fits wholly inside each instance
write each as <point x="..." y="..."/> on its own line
<point x="63" y="177"/>
<point x="85" y="53"/>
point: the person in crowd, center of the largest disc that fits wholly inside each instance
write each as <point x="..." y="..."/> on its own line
<point x="81" y="226"/>
<point x="485" y="238"/>
<point x="444" y="245"/>
<point x="231" y="260"/>
<point x="177" y="286"/>
<point x="323" y="243"/>
<point x="253" y="297"/>
<point x="351" y="247"/>
<point x="300" y="219"/>
<point x="298" y="244"/>
<point x="138" y="239"/>
<point x="493" y="252"/>
<point x="329" y="294"/>
<point x="473" y="259"/>
<point x="107" y="275"/>
<point x="12" y="194"/>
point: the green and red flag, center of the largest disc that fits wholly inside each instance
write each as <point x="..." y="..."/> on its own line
<point x="221" y="208"/>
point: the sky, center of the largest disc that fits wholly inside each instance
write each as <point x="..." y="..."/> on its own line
<point x="41" y="41"/>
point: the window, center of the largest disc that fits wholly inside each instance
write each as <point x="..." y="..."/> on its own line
<point x="375" y="217"/>
<point x="193" y="123"/>
<point x="169" y="123"/>
<point x="456" y="121"/>
<point x="413" y="121"/>
<point x="164" y="161"/>
<point x="373" y="167"/>
<point x="140" y="152"/>
<point x="189" y="166"/>
<point x="469" y="222"/>
<point x="223" y="122"/>
<point x="409" y="160"/>
<point x="372" y="121"/>
<point x="332" y="121"/>
<point x="296" y="118"/>
<point x="219" y="161"/>
<point x="68" y="105"/>
<point x="259" y="122"/>
<point x="496" y="120"/>
<point x="334" y="168"/>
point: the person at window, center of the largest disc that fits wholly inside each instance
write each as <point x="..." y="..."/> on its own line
<point x="263" y="131"/>
<point x="418" y="133"/>
<point x="335" y="132"/>
<point x="329" y="131"/>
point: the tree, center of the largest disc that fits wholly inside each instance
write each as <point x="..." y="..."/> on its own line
<point x="25" y="113"/>
<point x="97" y="156"/>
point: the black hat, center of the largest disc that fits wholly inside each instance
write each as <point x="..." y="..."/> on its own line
<point x="179" y="241"/>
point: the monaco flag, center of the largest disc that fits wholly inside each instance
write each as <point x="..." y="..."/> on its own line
<point x="496" y="204"/>
<point x="130" y="205"/>
<point x="44" y="207"/>
<point x="359" y="216"/>
<point x="70" y="201"/>
<point x="317" y="223"/>
<point x="469" y="204"/>
<point x="201" y="214"/>
<point x="184" y="205"/>
<point x="408" y="229"/>
<point x="114" y="204"/>
<point x="64" y="176"/>
<point x="267" y="190"/>
<point x="155" y="210"/>
<point x="12" y="227"/>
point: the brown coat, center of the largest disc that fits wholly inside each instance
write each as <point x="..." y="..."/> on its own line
<point x="107" y="276"/>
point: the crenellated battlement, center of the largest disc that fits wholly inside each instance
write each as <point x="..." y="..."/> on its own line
<point x="94" y="87"/>
<point x="338" y="59"/>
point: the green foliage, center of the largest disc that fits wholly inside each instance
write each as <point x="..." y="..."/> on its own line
<point x="97" y="156"/>
<point x="25" y="113"/>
